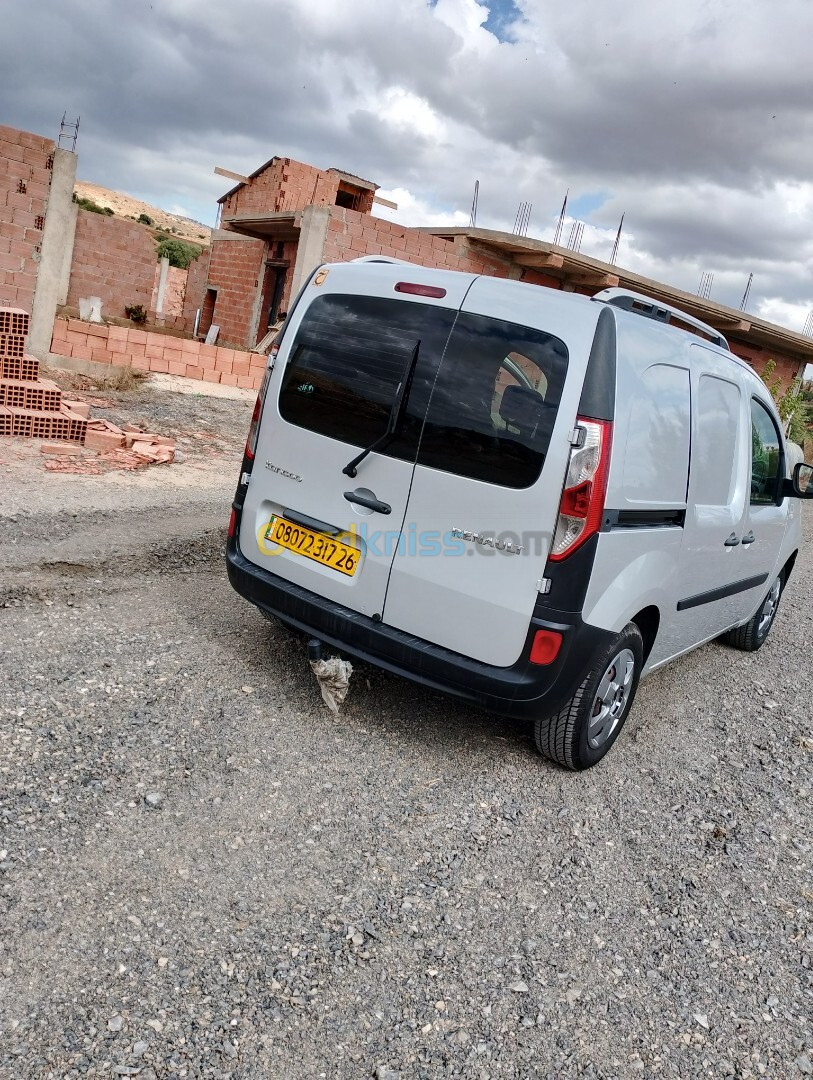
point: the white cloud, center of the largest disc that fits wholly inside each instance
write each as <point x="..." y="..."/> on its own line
<point x="415" y="212"/>
<point x="694" y="119"/>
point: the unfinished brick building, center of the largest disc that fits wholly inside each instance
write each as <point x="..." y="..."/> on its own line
<point x="288" y="217"/>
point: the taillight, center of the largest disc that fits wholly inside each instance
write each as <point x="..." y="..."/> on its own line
<point x="256" y="416"/>
<point x="585" y="488"/>
<point x="232" y="523"/>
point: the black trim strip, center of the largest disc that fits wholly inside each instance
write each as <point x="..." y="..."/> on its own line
<point x="598" y="391"/>
<point x="309" y="522"/>
<point x="724" y="590"/>
<point x="643" y="519"/>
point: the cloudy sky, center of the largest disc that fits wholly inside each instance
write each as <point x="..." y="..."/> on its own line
<point x="695" y="119"/>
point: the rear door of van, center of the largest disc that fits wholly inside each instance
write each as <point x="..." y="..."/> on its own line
<point x="490" y="470"/>
<point x="351" y="342"/>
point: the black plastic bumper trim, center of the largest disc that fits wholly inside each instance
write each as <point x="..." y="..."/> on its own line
<point x="524" y="690"/>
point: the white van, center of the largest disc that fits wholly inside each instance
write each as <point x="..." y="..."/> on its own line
<point x="525" y="498"/>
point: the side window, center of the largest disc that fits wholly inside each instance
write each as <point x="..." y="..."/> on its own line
<point x="766" y="455"/>
<point x="716" y="445"/>
<point x="656" y="461"/>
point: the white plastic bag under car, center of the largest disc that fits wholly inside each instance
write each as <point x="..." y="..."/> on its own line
<point x="333" y="676"/>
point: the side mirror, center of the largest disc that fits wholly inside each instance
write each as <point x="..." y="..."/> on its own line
<point x="800" y="486"/>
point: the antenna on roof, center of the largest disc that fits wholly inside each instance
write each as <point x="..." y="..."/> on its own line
<point x="614" y="254"/>
<point x="807" y="329"/>
<point x="574" y="240"/>
<point x="557" y="236"/>
<point x="69" y="131"/>
<point x="522" y="218"/>
<point x="473" y="216"/>
<point x="747" y="292"/>
<point x="706" y="281"/>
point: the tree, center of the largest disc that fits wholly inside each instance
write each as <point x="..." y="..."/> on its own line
<point x="179" y="252"/>
<point x="794" y="410"/>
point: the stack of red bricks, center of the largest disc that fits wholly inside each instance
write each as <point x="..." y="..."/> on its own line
<point x="30" y="406"/>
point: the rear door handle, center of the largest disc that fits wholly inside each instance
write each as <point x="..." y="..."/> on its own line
<point x="732" y="541"/>
<point x="371" y="504"/>
<point x="749" y="538"/>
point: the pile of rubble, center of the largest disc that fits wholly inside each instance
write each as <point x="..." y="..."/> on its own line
<point x="34" y="408"/>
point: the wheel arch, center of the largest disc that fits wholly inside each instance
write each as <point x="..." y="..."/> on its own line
<point x="648" y="621"/>
<point x="787" y="569"/>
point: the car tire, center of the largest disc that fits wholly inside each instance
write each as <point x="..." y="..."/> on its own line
<point x="582" y="732"/>
<point x="751" y="636"/>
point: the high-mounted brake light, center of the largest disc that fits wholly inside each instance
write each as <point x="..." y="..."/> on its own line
<point x="420" y="290"/>
<point x="585" y="488"/>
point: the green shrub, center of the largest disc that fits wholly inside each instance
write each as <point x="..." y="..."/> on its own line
<point x="89" y="204"/>
<point x="136" y="313"/>
<point x="179" y="252"/>
<point x="144" y="219"/>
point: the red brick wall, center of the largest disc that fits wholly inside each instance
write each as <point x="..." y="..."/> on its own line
<point x="197" y="275"/>
<point x="537" y="277"/>
<point x="786" y="370"/>
<point x="125" y="347"/>
<point x="351" y="234"/>
<point x="291" y="185"/>
<point x="235" y="270"/>
<point x="114" y="259"/>
<point x="24" y="163"/>
<point x="175" y="290"/>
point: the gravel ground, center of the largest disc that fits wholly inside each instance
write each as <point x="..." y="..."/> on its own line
<point x="205" y="874"/>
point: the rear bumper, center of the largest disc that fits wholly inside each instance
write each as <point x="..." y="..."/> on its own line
<point x="525" y="690"/>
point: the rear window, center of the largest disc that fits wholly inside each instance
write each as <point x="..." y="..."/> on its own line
<point x="482" y="402"/>
<point x="492" y="411"/>
<point x="348" y="358"/>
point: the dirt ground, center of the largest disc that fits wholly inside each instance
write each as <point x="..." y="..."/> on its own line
<point x="209" y="431"/>
<point x="205" y="874"/>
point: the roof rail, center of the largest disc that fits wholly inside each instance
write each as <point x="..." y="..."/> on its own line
<point x="655" y="309"/>
<point x="378" y="258"/>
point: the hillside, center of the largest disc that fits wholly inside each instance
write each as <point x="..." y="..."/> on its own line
<point x="125" y="205"/>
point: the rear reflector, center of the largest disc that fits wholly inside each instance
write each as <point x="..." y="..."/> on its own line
<point x="232" y="523"/>
<point x="546" y="646"/>
<point x="420" y="290"/>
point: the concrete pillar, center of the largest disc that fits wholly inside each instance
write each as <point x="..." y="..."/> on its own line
<point x="310" y="250"/>
<point x="162" y="286"/>
<point x="57" y="237"/>
<point x="67" y="255"/>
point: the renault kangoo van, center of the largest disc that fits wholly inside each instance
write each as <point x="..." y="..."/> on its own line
<point x="525" y="498"/>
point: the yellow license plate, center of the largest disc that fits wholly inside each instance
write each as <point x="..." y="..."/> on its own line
<point x="323" y="549"/>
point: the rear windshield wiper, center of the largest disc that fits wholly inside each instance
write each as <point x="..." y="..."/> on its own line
<point x="396" y="417"/>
